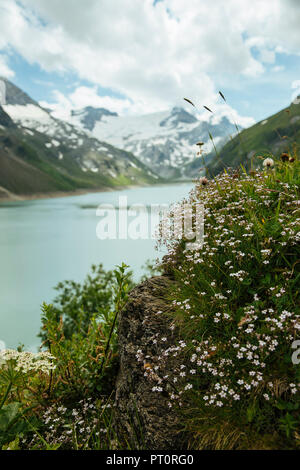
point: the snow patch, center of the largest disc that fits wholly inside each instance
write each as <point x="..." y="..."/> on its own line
<point x="27" y="113"/>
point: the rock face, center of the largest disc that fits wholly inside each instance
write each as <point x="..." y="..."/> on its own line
<point x="88" y="116"/>
<point x="14" y="95"/>
<point x="5" y="120"/>
<point x="141" y="414"/>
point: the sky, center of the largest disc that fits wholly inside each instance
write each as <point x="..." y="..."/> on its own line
<point x="142" y="56"/>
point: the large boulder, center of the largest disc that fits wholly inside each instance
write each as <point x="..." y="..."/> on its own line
<point x="143" y="415"/>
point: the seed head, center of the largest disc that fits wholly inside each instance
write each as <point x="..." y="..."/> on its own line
<point x="203" y="181"/>
<point x="285" y="157"/>
<point x="268" y="163"/>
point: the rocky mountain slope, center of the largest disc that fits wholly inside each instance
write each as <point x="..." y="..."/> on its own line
<point x="277" y="134"/>
<point x="39" y="153"/>
<point x="165" y="141"/>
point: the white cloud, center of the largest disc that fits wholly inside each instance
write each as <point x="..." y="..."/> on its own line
<point x="85" y="96"/>
<point x="296" y="93"/>
<point x="153" y="55"/>
<point x="221" y="109"/>
<point x="278" y="68"/>
<point x="5" y="70"/>
<point x="267" y="56"/>
<point x="88" y="96"/>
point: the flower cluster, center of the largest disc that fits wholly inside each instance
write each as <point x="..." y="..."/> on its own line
<point x="235" y="295"/>
<point x="27" y="362"/>
<point x="62" y="426"/>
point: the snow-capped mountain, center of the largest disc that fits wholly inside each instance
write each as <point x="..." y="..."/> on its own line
<point x="29" y="114"/>
<point x="165" y="141"/>
<point x="70" y="156"/>
<point x="89" y="116"/>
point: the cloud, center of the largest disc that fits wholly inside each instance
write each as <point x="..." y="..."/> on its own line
<point x="5" y="70"/>
<point x="221" y="109"/>
<point x="85" y="96"/>
<point x="296" y="92"/>
<point x="151" y="54"/>
<point x="278" y="68"/>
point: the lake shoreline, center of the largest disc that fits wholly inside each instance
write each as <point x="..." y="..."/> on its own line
<point x="12" y="197"/>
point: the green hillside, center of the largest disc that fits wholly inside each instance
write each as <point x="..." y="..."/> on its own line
<point x="29" y="167"/>
<point x="279" y="133"/>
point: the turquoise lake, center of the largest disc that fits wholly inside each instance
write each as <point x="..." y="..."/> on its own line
<point x="43" y="242"/>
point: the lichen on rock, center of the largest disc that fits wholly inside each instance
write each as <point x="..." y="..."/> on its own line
<point x="142" y="414"/>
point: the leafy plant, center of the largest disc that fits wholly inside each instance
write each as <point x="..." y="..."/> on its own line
<point x="80" y="331"/>
<point x="80" y="334"/>
<point x="13" y="423"/>
<point x="18" y="371"/>
<point x="288" y="424"/>
<point x="78" y="303"/>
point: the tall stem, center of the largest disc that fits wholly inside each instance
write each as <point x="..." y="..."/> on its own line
<point x="6" y="395"/>
<point x="108" y="342"/>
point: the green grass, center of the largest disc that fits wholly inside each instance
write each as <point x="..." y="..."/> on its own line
<point x="27" y="166"/>
<point x="280" y="133"/>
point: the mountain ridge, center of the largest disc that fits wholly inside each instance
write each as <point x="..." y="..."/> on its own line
<point x="61" y="157"/>
<point x="165" y="141"/>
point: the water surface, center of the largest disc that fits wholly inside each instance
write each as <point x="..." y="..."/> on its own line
<point x="43" y="242"/>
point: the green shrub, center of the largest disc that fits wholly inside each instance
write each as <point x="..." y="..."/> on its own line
<point x="75" y="375"/>
<point x="76" y="304"/>
<point x="80" y="330"/>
